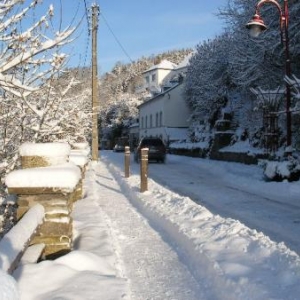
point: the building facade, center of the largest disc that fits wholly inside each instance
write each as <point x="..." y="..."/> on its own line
<point x="165" y="115"/>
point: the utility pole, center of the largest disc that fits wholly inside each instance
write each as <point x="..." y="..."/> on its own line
<point x="95" y="101"/>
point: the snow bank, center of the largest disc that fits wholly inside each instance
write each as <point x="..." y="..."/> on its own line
<point x="8" y="290"/>
<point x="17" y="238"/>
<point x="244" y="260"/>
<point x="64" y="176"/>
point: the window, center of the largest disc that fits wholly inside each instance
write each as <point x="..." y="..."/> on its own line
<point x="156" y="120"/>
<point x="151" y="121"/>
<point x="142" y="124"/>
<point x="147" y="79"/>
<point x="146" y="122"/>
<point x="153" y="78"/>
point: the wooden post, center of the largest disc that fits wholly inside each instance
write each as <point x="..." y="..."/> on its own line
<point x="144" y="169"/>
<point x="127" y="161"/>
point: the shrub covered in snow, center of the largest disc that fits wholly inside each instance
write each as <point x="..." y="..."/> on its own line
<point x="288" y="169"/>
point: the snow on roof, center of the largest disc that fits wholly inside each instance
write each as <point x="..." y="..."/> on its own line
<point x="164" y="64"/>
<point x="159" y="95"/>
<point x="65" y="176"/>
<point x="45" y="149"/>
<point x="186" y="61"/>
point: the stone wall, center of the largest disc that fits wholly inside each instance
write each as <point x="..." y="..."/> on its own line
<point x="56" y="232"/>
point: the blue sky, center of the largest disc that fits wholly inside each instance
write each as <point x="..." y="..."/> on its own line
<point x="142" y="28"/>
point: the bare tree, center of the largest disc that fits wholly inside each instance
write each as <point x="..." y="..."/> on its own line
<point x="30" y="58"/>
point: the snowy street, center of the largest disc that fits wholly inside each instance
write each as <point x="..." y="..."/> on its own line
<point x="161" y="245"/>
<point x="233" y="191"/>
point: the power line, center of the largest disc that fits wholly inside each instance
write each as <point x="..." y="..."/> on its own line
<point x="85" y="34"/>
<point x="115" y="37"/>
<point x="87" y="45"/>
<point x="87" y="16"/>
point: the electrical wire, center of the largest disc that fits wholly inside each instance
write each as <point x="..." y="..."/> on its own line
<point x="87" y="16"/>
<point x="88" y="38"/>
<point x="115" y="37"/>
<point x="83" y="58"/>
<point x="87" y="43"/>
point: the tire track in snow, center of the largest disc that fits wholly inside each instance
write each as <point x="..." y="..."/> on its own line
<point x="152" y="266"/>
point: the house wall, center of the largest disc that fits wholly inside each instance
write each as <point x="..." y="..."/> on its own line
<point x="164" y="111"/>
<point x="175" y="108"/>
<point x="152" y="110"/>
<point x="159" y="75"/>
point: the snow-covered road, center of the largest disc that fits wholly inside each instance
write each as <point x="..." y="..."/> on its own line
<point x="227" y="259"/>
<point x="232" y="190"/>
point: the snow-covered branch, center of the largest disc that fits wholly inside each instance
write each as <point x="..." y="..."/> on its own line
<point x="60" y="40"/>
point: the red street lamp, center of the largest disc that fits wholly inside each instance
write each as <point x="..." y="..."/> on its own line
<point x="257" y="26"/>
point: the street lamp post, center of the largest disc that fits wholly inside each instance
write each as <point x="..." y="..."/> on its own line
<point x="257" y="26"/>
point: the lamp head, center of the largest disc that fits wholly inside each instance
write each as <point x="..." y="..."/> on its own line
<point x="256" y="26"/>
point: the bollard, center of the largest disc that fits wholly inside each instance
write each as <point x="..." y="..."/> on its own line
<point x="144" y="169"/>
<point x="127" y="161"/>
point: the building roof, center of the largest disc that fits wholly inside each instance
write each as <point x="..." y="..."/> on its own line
<point x="160" y="94"/>
<point x="164" y="64"/>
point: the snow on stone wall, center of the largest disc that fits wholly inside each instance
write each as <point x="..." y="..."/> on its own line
<point x="15" y="241"/>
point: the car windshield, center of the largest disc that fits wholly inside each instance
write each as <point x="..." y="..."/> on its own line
<point x="152" y="142"/>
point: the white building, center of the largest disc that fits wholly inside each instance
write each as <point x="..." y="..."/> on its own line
<point x="153" y="77"/>
<point x="166" y="113"/>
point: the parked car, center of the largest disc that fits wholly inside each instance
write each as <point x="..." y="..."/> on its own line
<point x="119" y="148"/>
<point x="157" y="149"/>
